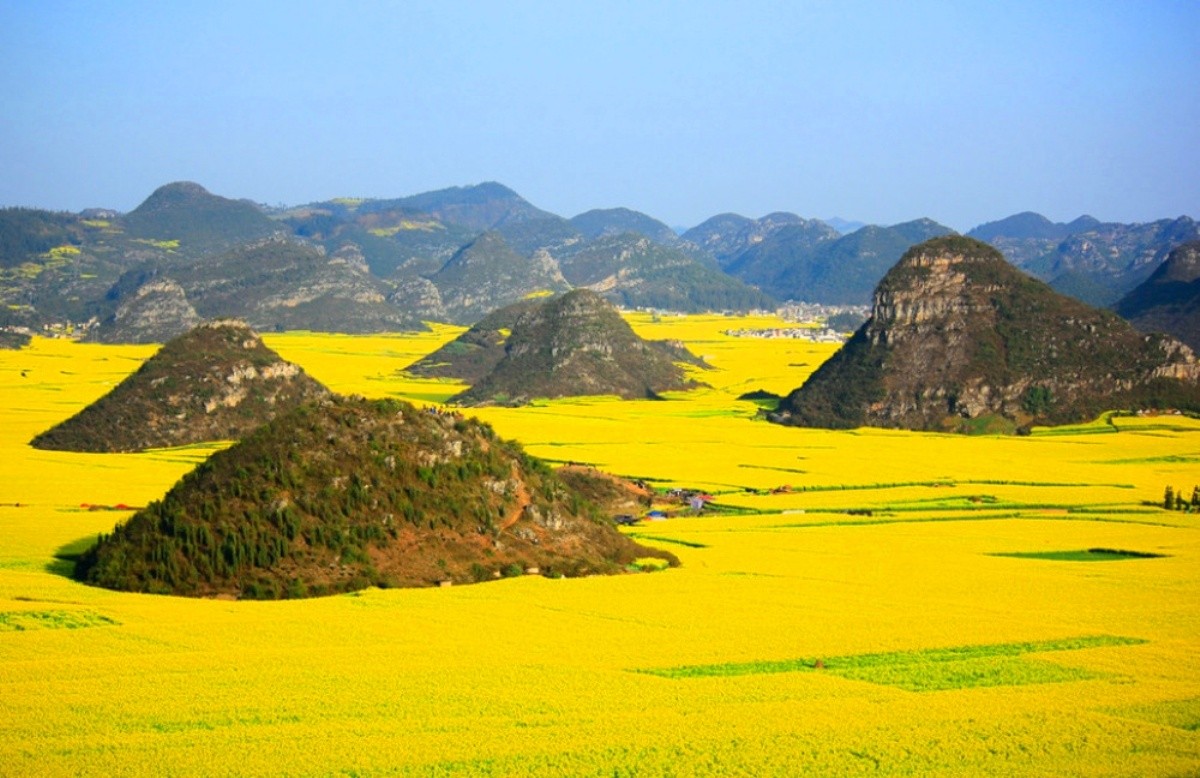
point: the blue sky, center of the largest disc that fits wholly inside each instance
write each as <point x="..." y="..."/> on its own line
<point x="960" y="111"/>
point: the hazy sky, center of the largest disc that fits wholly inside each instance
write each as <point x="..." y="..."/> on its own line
<point x="964" y="112"/>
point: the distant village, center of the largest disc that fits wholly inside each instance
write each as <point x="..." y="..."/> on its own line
<point x="817" y="323"/>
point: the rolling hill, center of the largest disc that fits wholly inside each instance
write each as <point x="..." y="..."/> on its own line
<point x="635" y="272"/>
<point x="487" y="274"/>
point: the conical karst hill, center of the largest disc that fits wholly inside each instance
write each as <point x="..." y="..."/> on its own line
<point x="215" y="382"/>
<point x="344" y="493"/>
<point x="572" y="345"/>
<point x="473" y="355"/>
<point x="959" y="340"/>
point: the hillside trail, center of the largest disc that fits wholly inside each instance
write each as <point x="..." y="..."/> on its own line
<point x="524" y="500"/>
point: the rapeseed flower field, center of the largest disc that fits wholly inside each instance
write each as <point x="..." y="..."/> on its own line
<point x="850" y="603"/>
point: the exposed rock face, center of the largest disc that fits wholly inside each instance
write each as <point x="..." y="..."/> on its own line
<point x="959" y="340"/>
<point x="217" y="382"/>
<point x="1169" y="301"/>
<point x="344" y="493"/>
<point x="576" y="344"/>
<point x="157" y="311"/>
<point x="419" y="297"/>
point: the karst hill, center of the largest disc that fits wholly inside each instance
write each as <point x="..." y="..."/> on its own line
<point x="473" y="355"/>
<point x="216" y="382"/>
<point x="1169" y="300"/>
<point x="575" y="344"/>
<point x="960" y="340"/>
<point x="344" y="493"/>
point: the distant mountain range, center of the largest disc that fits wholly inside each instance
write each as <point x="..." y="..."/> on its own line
<point x="1089" y="260"/>
<point x="456" y="254"/>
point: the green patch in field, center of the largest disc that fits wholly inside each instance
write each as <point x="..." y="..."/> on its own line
<point x="936" y="669"/>
<point x="25" y="621"/>
<point x="1169" y="459"/>
<point x="1180" y="714"/>
<point x="648" y="565"/>
<point x="991" y="424"/>
<point x="1082" y="555"/>
<point x="776" y="469"/>
<point x="967" y="674"/>
<point x="660" y="539"/>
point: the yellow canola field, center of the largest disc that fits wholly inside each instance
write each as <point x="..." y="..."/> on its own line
<point x="804" y="633"/>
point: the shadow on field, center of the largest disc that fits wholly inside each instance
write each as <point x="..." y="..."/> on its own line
<point x="66" y="555"/>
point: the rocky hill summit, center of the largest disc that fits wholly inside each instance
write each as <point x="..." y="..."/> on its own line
<point x="1169" y="300"/>
<point x="216" y="382"/>
<point x="959" y="340"/>
<point x="576" y="344"/>
<point x="344" y="493"/>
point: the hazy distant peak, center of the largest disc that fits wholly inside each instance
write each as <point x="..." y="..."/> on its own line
<point x="1024" y="225"/>
<point x="844" y="226"/>
<point x="612" y="221"/>
<point x="174" y="194"/>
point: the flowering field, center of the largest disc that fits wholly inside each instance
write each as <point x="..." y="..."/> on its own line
<point x="864" y="602"/>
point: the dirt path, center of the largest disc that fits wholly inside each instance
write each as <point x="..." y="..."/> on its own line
<point x="524" y="499"/>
